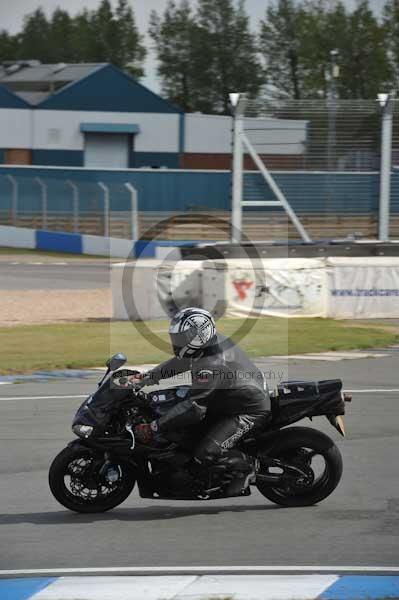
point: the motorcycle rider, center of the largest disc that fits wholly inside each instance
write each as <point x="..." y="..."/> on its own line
<point x="227" y="389"/>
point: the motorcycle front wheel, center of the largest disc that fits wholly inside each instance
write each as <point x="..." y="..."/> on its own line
<point x="315" y="454"/>
<point x="79" y="481"/>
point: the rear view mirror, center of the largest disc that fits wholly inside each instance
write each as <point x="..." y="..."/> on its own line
<point x="116" y="361"/>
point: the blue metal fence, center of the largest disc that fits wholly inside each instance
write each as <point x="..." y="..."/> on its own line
<point x="26" y="193"/>
<point x="161" y="191"/>
<point x="176" y="191"/>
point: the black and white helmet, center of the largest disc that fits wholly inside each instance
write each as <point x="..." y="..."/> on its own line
<point x="190" y="330"/>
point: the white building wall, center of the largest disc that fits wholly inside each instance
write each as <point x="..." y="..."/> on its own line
<point x="15" y="128"/>
<point x="60" y="129"/>
<point x="208" y="134"/>
<point x="277" y="136"/>
<point x="212" y="134"/>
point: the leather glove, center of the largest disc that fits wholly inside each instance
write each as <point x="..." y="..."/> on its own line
<point x="146" y="431"/>
<point x="126" y="378"/>
<point x="136" y="378"/>
<point x="139" y="377"/>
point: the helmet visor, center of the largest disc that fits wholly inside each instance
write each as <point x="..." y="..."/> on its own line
<point x="182" y="339"/>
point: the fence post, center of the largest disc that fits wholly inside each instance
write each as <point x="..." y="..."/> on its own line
<point x="236" y="208"/>
<point x="106" y="208"/>
<point x="134" y="225"/>
<point x="14" y="201"/>
<point x="75" y="193"/>
<point x="43" y="187"/>
<point x="386" y="102"/>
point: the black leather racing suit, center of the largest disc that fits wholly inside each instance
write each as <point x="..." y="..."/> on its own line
<point x="226" y="387"/>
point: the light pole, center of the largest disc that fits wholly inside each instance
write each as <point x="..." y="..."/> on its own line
<point x="236" y="206"/>
<point x="386" y="103"/>
<point x="332" y="110"/>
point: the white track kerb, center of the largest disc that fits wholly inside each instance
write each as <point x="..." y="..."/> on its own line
<point x="202" y="583"/>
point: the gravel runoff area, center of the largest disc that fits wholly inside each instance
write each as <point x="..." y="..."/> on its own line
<point x="41" y="306"/>
<point x="25" y="307"/>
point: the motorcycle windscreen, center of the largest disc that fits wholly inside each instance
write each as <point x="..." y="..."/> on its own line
<point x="97" y="410"/>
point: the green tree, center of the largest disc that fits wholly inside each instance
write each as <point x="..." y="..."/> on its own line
<point x="35" y="38"/>
<point x="281" y="40"/>
<point x="391" y="30"/>
<point x="324" y="43"/>
<point x="365" y="65"/>
<point x="229" y="48"/>
<point x="130" y="51"/>
<point x="61" y="37"/>
<point x="176" y="37"/>
<point x="105" y="29"/>
<point x="300" y="43"/>
<point x="205" y="56"/>
<point x="116" y="37"/>
<point x="84" y="37"/>
<point x="8" y="46"/>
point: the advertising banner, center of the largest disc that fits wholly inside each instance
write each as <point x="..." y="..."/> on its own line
<point x="363" y="288"/>
<point x="277" y="287"/>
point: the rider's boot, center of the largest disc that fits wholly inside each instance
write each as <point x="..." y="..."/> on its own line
<point x="241" y="468"/>
<point x="234" y="471"/>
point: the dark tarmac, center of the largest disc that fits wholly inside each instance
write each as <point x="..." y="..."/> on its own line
<point x="357" y="525"/>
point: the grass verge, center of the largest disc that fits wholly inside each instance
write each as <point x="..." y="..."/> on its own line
<point x="8" y="251"/>
<point x="78" y="345"/>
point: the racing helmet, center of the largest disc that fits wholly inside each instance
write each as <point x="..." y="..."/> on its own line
<point x="190" y="330"/>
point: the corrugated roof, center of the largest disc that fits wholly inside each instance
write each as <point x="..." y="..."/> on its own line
<point x="79" y="86"/>
<point x="47" y="73"/>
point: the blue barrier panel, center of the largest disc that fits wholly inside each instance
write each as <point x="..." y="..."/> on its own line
<point x="144" y="249"/>
<point x="24" y="588"/>
<point x="147" y="248"/>
<point x="59" y="242"/>
<point x="362" y="587"/>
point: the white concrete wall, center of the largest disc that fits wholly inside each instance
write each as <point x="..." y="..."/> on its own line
<point x="146" y="285"/>
<point x="102" y="246"/>
<point x="337" y="287"/>
<point x="141" y="278"/>
<point x="17" y="237"/>
<point x="15" y="128"/>
<point x="60" y="129"/>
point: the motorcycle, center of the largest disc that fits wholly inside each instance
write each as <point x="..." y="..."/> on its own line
<point x="291" y="466"/>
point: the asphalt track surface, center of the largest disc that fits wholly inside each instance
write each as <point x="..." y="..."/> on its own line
<point x="58" y="275"/>
<point x="357" y="525"/>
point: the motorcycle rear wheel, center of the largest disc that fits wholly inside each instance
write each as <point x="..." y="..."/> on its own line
<point x="295" y="442"/>
<point x="76" y="485"/>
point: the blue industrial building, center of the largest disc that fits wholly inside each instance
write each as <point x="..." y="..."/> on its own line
<point x="97" y="116"/>
<point x="92" y="115"/>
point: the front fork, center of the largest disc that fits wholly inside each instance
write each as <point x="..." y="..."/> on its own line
<point x="106" y="461"/>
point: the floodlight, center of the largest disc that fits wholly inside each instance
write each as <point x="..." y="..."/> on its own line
<point x="234" y="98"/>
<point x="382" y="99"/>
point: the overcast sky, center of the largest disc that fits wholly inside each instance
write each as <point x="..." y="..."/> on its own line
<point x="12" y="13"/>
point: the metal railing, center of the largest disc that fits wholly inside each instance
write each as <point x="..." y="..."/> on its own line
<point x="67" y="205"/>
<point x="320" y="158"/>
<point x="335" y="162"/>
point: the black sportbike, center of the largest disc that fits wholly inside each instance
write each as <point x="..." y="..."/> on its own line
<point x="294" y="466"/>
